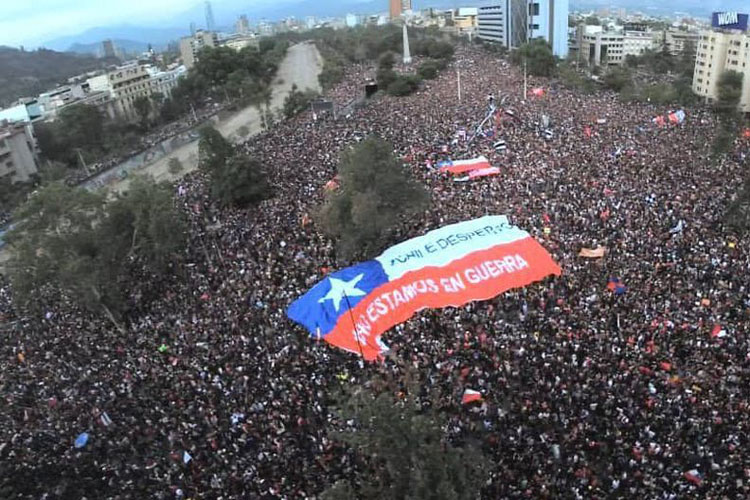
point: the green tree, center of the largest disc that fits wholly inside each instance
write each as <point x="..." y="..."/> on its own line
<point x="538" y="56"/>
<point x="592" y="21"/>
<point x="385" y="77"/>
<point x="428" y="70"/>
<point x="142" y="106"/>
<point x="297" y="101"/>
<point x="403" y="85"/>
<point x="687" y="59"/>
<point x="729" y="92"/>
<point x="55" y="242"/>
<point x="240" y="182"/>
<point x="738" y="214"/>
<point x="213" y="149"/>
<point x="387" y="60"/>
<point x="618" y="79"/>
<point x="174" y="166"/>
<point x="376" y="192"/>
<point x="405" y="450"/>
<point x="78" y="242"/>
<point x="147" y="216"/>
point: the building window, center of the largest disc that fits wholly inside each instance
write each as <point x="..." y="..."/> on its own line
<point x="534" y="9"/>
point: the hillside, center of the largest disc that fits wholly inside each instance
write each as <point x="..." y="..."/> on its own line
<point x="25" y="74"/>
<point x="126" y="46"/>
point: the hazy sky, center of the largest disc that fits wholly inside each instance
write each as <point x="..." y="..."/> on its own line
<point x="31" y="22"/>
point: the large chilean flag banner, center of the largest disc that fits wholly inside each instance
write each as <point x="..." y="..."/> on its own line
<point x="451" y="266"/>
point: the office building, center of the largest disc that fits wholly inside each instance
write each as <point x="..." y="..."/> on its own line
<point x="512" y="22"/>
<point x="395" y="9"/>
<point x="242" y="26"/>
<point x="602" y="48"/>
<point x="678" y="40"/>
<point x="191" y="45"/>
<point x="351" y="20"/>
<point x="465" y="19"/>
<point x="726" y="46"/>
<point x="239" y="42"/>
<point x="210" y="23"/>
<point x="163" y="82"/>
<point x="18" y="158"/>
<point x="610" y="47"/>
<point x="125" y="85"/>
<point x="108" y="49"/>
<point x="26" y="111"/>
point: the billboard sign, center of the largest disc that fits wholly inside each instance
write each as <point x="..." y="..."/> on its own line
<point x="729" y="20"/>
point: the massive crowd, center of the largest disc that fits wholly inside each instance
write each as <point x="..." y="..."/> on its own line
<point x="213" y="393"/>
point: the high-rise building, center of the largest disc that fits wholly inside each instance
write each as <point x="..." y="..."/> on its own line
<point x="513" y="22"/>
<point x="191" y="45"/>
<point x="193" y="29"/>
<point x="125" y="84"/>
<point x="210" y="23"/>
<point x="242" y="26"/>
<point x="405" y="5"/>
<point x="395" y="9"/>
<point x="723" y="48"/>
<point x="18" y="159"/>
<point x="108" y="49"/>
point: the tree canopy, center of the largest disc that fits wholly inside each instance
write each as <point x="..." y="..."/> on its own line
<point x="405" y="451"/>
<point x="538" y="56"/>
<point x="297" y="101"/>
<point x="376" y="192"/>
<point x="236" y="179"/>
<point x="79" y="242"/>
<point x="729" y="91"/>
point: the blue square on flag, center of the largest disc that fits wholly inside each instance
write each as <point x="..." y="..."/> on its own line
<point x="327" y="301"/>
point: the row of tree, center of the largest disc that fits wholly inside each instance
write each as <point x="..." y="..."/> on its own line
<point x="83" y="135"/>
<point x="340" y="48"/>
<point x="93" y="246"/>
<point x="87" y="244"/>
<point x="222" y="74"/>
<point x="403" y="452"/>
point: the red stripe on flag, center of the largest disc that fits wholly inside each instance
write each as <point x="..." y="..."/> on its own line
<point x="477" y="276"/>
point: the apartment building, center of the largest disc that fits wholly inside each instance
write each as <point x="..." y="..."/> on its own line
<point x="191" y="45"/>
<point x="512" y="22"/>
<point x="18" y="158"/>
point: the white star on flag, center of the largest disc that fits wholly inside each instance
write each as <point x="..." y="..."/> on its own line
<point x="341" y="288"/>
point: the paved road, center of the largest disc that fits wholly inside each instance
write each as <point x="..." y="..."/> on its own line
<point x="301" y="66"/>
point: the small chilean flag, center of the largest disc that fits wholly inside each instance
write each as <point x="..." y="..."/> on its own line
<point x="470" y="396"/>
<point x="694" y="477"/>
<point x="460" y="166"/>
<point x="718" y="331"/>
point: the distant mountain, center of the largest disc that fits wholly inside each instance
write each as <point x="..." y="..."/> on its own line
<point x="129" y="35"/>
<point x="26" y="74"/>
<point x="127" y="46"/>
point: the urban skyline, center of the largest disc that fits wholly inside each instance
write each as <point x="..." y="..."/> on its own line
<point x="53" y="19"/>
